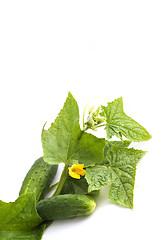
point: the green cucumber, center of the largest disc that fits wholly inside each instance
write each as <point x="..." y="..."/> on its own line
<point x="38" y="178"/>
<point x="65" y="206"/>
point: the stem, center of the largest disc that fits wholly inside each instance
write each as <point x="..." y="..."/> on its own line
<point x="97" y="126"/>
<point x="102" y="125"/>
<point x="62" y="181"/>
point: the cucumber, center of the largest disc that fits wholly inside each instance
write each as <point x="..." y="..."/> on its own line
<point x="38" y="178"/>
<point x="65" y="206"/>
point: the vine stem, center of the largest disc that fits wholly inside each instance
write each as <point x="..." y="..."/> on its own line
<point x="62" y="181"/>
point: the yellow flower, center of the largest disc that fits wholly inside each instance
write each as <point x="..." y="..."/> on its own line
<point x="76" y="170"/>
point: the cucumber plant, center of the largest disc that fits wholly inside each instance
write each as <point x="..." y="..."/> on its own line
<point x="90" y="163"/>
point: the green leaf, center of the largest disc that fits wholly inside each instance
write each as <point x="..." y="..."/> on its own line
<point x="122" y="173"/>
<point x="65" y="142"/>
<point x="118" y="123"/>
<point x="35" y="234"/>
<point x="60" y="139"/>
<point x="118" y="173"/>
<point x="19" y="216"/>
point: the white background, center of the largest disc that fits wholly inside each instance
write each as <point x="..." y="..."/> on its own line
<point x="93" y="49"/>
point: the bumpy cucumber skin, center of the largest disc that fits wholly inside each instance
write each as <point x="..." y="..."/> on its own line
<point x="65" y="206"/>
<point x="38" y="178"/>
